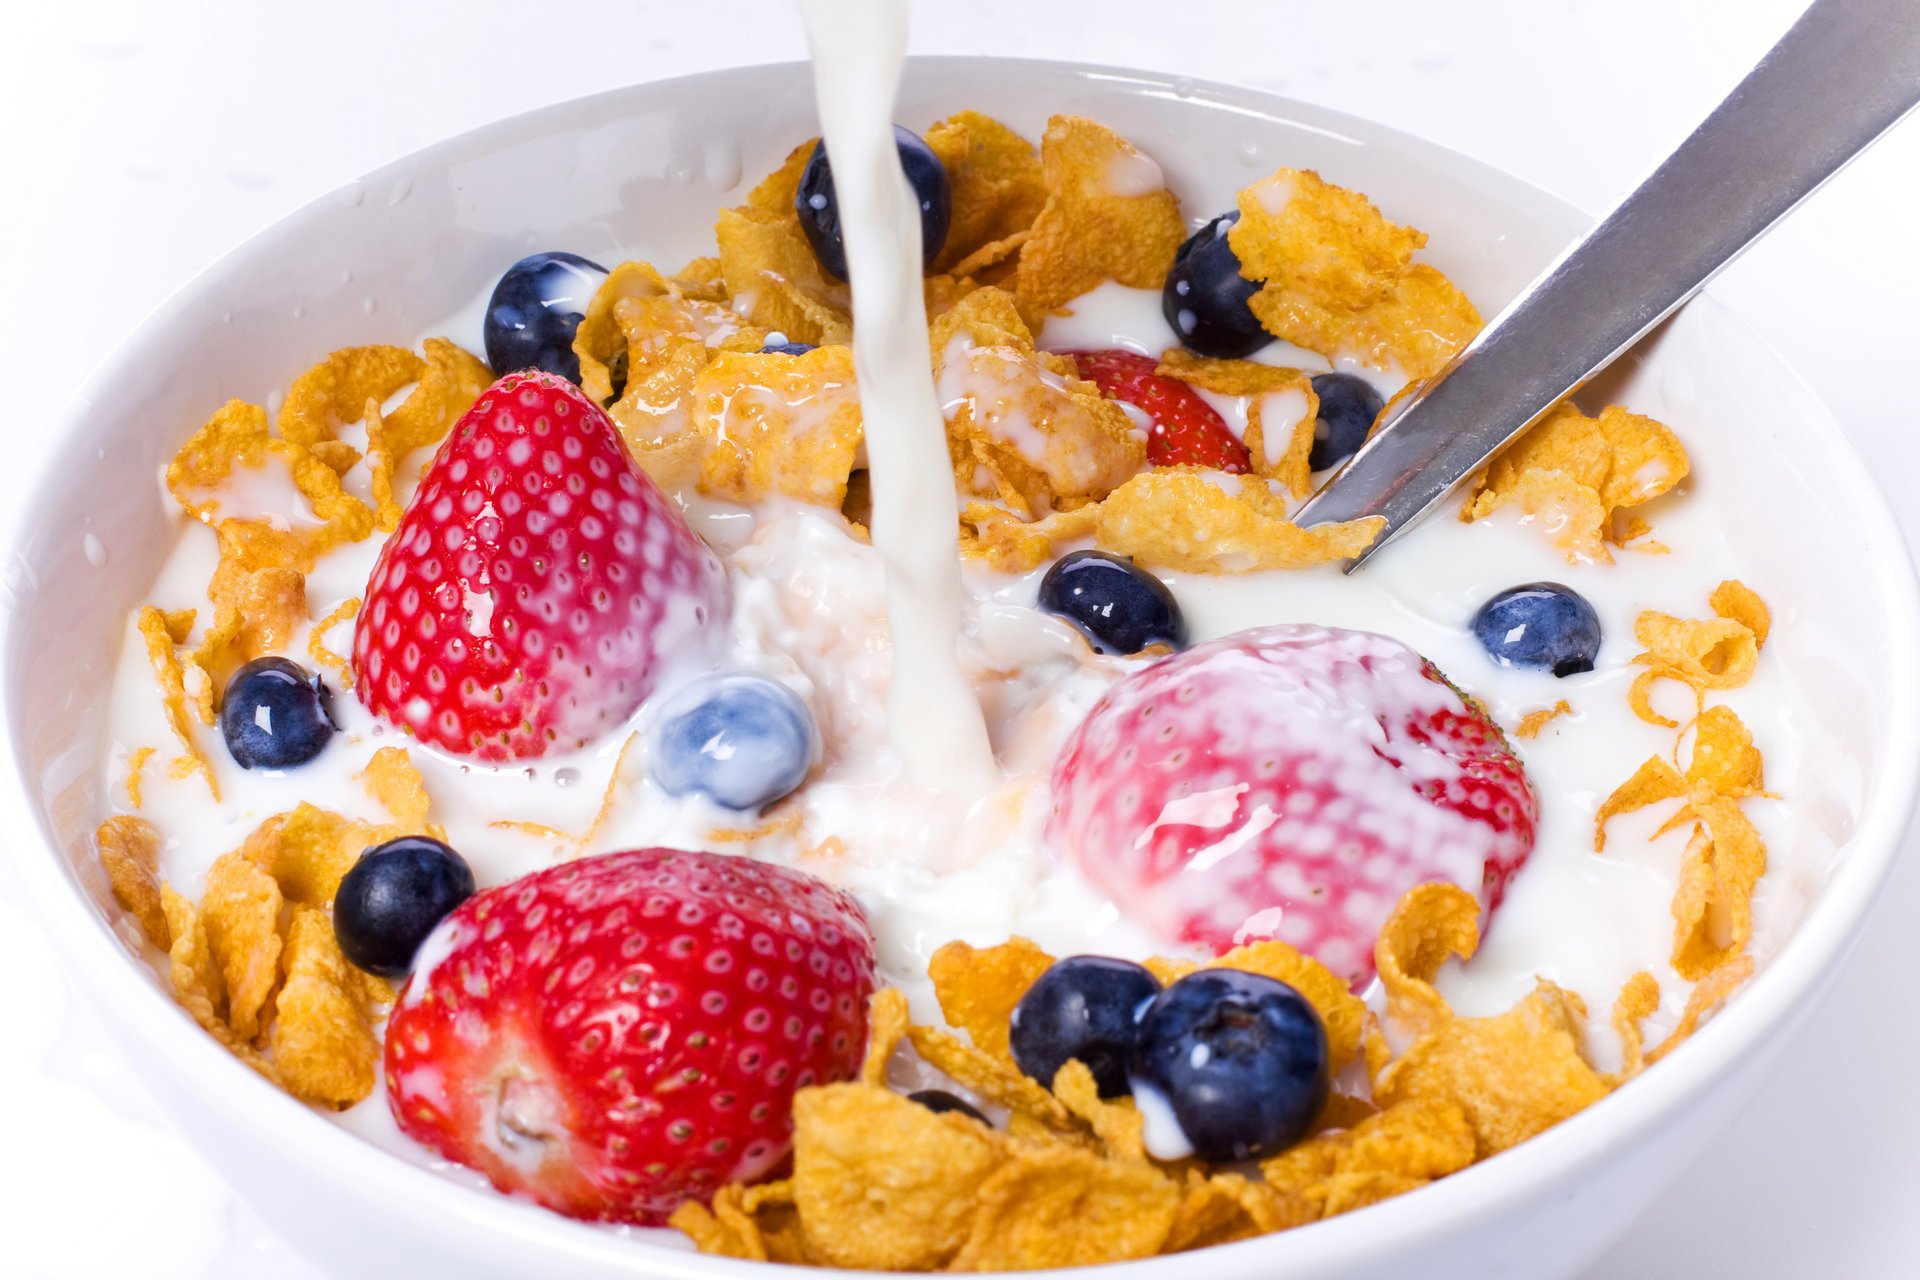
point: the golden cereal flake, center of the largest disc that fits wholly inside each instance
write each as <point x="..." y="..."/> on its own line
<point x="1062" y="1207"/>
<point x="887" y="1022"/>
<point x="1430" y="925"/>
<point x="241" y="912"/>
<point x="978" y="988"/>
<point x="1220" y="1208"/>
<point x="1116" y="1123"/>
<point x="236" y="437"/>
<point x="1535" y="721"/>
<point x="1336" y="276"/>
<point x="771" y="275"/>
<point x="448" y="386"/>
<point x="1203" y="522"/>
<point x="1000" y="1083"/>
<point x="136" y="770"/>
<point x="346" y="611"/>
<point x="336" y="390"/>
<point x="196" y="980"/>
<point x="323" y="1045"/>
<point x="256" y="612"/>
<point x="309" y="849"/>
<point x="1713" y="905"/>
<point x="778" y="424"/>
<point x="1736" y="601"/>
<point x="1108" y="216"/>
<point x="393" y="781"/>
<point x="998" y="190"/>
<point x="1385" y="1154"/>
<point x="1571" y="474"/>
<point x="160" y="642"/>
<point x="129" y="850"/>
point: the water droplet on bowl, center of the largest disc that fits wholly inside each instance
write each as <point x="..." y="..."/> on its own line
<point x="369" y="306"/>
<point x="566" y="777"/>
<point x="351" y="194"/>
<point x="1184" y="87"/>
<point x="96" y="550"/>
<point x="298" y="312"/>
<point x="401" y="190"/>
<point x="723" y="165"/>
<point x="1250" y="154"/>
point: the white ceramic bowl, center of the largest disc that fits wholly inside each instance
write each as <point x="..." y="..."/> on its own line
<point x="642" y="171"/>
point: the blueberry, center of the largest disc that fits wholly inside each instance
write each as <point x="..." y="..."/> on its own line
<point x="391" y="899"/>
<point x="785" y="348"/>
<point x="1542" y="626"/>
<point x="939" y="1100"/>
<point x="1348" y="406"/>
<point x="1083" y="1007"/>
<point x="1205" y="296"/>
<point x="275" y="715"/>
<point x="743" y="741"/>
<point x="820" y="216"/>
<point x="535" y="309"/>
<point x="1120" y="607"/>
<point x="1240" y="1059"/>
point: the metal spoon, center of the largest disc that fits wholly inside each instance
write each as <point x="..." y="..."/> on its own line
<point x="1843" y="75"/>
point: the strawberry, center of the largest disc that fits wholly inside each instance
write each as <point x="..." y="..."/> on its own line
<point x="1186" y="430"/>
<point x="1289" y="782"/>
<point x="537" y="585"/>
<point x="615" y="1036"/>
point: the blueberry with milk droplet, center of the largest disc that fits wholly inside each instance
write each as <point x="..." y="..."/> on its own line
<point x="816" y="204"/>
<point x="1120" y="607"/>
<point x="1205" y="298"/>
<point x="534" y="311"/>
<point x="743" y="741"/>
<point x="275" y="714"/>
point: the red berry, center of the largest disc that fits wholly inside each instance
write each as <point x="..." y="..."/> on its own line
<point x="1289" y="782"/>
<point x="1186" y="431"/>
<point x="615" y="1036"/>
<point x="537" y="586"/>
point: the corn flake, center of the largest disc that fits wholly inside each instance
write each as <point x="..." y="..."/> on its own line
<point x="323" y="1044"/>
<point x="1571" y="474"/>
<point x="1713" y="906"/>
<point x="240" y="910"/>
<point x="308" y="850"/>
<point x="1000" y="1083"/>
<point x="778" y="424"/>
<point x="1533" y="722"/>
<point x="196" y="980"/>
<point x="1736" y="601"/>
<point x="317" y="649"/>
<point x="1062" y="1207"/>
<point x="1117" y="1123"/>
<point x="160" y="640"/>
<point x="979" y="987"/>
<point x="448" y="385"/>
<point x="998" y="191"/>
<point x="1108" y="216"/>
<point x="336" y="390"/>
<point x="1430" y="925"/>
<point x="1386" y="1154"/>
<point x="129" y="850"/>
<point x="392" y="780"/>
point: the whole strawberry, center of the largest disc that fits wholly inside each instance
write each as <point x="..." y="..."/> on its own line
<point x="1186" y="430"/>
<point x="1289" y="782"/>
<point x="537" y="586"/>
<point x="615" y="1036"/>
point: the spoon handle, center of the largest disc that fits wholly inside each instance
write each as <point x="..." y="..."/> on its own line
<point x="1844" y="74"/>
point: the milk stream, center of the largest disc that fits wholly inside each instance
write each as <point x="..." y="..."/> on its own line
<point x="933" y="715"/>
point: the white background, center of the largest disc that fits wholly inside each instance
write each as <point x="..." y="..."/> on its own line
<point x="142" y="140"/>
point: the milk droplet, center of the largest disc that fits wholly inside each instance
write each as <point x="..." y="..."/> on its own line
<point x="723" y="163"/>
<point x="369" y="306"/>
<point x="1250" y="154"/>
<point x="96" y="550"/>
<point x="566" y="777"/>
<point x="1184" y="87"/>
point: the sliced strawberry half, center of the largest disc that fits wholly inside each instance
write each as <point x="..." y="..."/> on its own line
<point x="615" y="1036"/>
<point x="1289" y="782"/>
<point x="1186" y="430"/>
<point x="538" y="584"/>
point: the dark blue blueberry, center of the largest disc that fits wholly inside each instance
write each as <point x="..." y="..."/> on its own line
<point x="535" y="309"/>
<point x="939" y="1100"/>
<point x="786" y="348"/>
<point x="1348" y="406"/>
<point x="1542" y="626"/>
<point x="1239" y="1058"/>
<point x="1121" y="607"/>
<point x="742" y="741"/>
<point x="820" y="215"/>
<point x="391" y="899"/>
<point x="1205" y="296"/>
<point x="1085" y="1008"/>
<point x="275" y="715"/>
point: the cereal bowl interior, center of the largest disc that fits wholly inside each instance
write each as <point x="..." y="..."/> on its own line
<point x="640" y="172"/>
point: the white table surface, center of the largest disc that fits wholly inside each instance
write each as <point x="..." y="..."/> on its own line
<point x="144" y="139"/>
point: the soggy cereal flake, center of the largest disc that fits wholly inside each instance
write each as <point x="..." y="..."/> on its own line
<point x="600" y="341"/>
<point x="317" y="649"/>
<point x="1713" y="906"/>
<point x="323" y="1044"/>
<point x="778" y="424"/>
<point x="1108" y="216"/>
<point x="1703" y="1002"/>
<point x="1571" y="473"/>
<point x="997" y="187"/>
<point x="197" y="985"/>
<point x="449" y="384"/>
<point x="255" y="612"/>
<point x="1514" y="1075"/>
<point x="884" y="1183"/>
<point x="722" y="1229"/>
<point x="241" y="912"/>
<point x="1717" y="653"/>
<point x="235" y="438"/>
<point x="336" y="390"/>
<point x="136" y="768"/>
<point x="1062" y="1207"/>
<point x="1006" y="542"/>
<point x="1638" y="998"/>
<point x="1430" y="925"/>
<point x="887" y="1021"/>
<point x="1341" y="1010"/>
<point x="383" y="460"/>
<point x="1117" y="1122"/>
<point x="769" y="269"/>
<point x="1286" y="395"/>
<point x="1022" y="425"/>
<point x="129" y="849"/>
<point x="160" y="639"/>
<point x="1736" y="601"/>
<point x="1336" y="276"/>
<point x="1655" y="780"/>
<point x="1533" y="722"/>
<point x="1000" y="1083"/>
<point x="1724" y="757"/>
<point x="1223" y="1207"/>
<point x="309" y="849"/>
<point x="392" y="780"/>
<point x="979" y="986"/>
<point x="1203" y="522"/>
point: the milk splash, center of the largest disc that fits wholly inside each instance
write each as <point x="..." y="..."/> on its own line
<point x="933" y="716"/>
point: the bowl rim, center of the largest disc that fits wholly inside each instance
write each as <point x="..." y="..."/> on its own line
<point x="141" y="1015"/>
